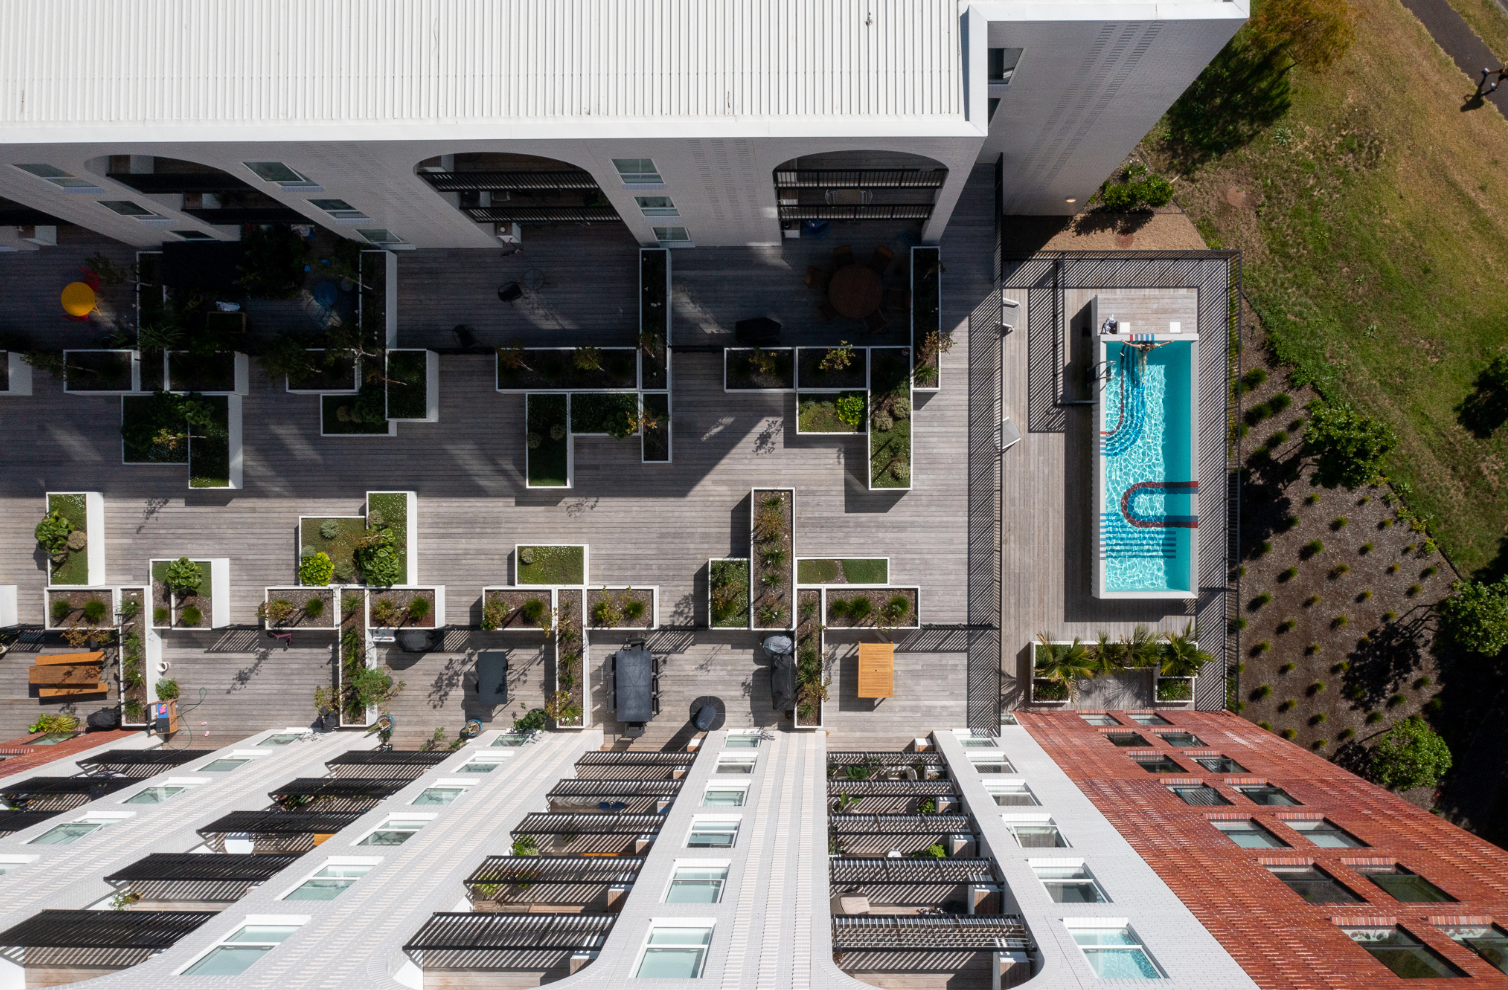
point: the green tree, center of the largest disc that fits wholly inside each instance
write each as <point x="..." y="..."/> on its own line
<point x="1349" y="447"/>
<point x="1312" y="33"/>
<point x="1063" y="663"/>
<point x="1408" y="755"/>
<point x="1476" y="616"/>
<point x="1181" y="654"/>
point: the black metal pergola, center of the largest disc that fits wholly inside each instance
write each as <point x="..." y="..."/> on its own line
<point x="556" y="870"/>
<point x="140" y="762"/>
<point x="372" y="788"/>
<point x="892" y="788"/>
<point x="93" y="788"/>
<point x="390" y="758"/>
<point x="635" y="758"/>
<point x="591" y="787"/>
<point x="899" y="824"/>
<point x="191" y="867"/>
<point x="977" y="933"/>
<point x="15" y="821"/>
<point x="280" y="822"/>
<point x="919" y="872"/>
<point x="487" y="931"/>
<point x="549" y="823"/>
<point x="104" y="929"/>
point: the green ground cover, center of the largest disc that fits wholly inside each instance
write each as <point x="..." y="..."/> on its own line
<point x="890" y="418"/>
<point x="75" y="566"/>
<point x="611" y="413"/>
<point x="551" y="565"/>
<point x="729" y="589"/>
<point x="818" y="413"/>
<point x="209" y="445"/>
<point x="340" y="545"/>
<point x="363" y="413"/>
<point x="152" y="429"/>
<point x="829" y="570"/>
<point x="390" y="509"/>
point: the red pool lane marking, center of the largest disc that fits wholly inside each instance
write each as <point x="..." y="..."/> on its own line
<point x="1182" y="522"/>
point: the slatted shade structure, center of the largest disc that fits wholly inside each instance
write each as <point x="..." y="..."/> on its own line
<point x="507" y="213"/>
<point x="36" y="788"/>
<point x="15" y="821"/>
<point x="465" y="930"/>
<point x="556" y="870"/>
<point x="899" y="824"/>
<point x="861" y="178"/>
<point x="955" y="933"/>
<point x="884" y="759"/>
<point x="372" y="788"/>
<point x="545" y="823"/>
<point x="141" y="762"/>
<point x="633" y="765"/>
<point x="280" y="822"/>
<point x="104" y="929"/>
<point x="615" y="788"/>
<point x="892" y="788"/>
<point x="908" y="872"/>
<point x="490" y="180"/>
<point x="401" y="764"/>
<point x="191" y="867"/>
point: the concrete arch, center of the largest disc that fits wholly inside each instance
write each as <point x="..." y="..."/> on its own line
<point x="507" y="190"/>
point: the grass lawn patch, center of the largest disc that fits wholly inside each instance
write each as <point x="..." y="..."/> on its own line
<point x="362" y="413"/>
<point x="407" y="384"/>
<point x="556" y="367"/>
<point x="547" y="442"/>
<point x="339" y="545"/>
<point x="753" y="368"/>
<point x="832" y="570"/>
<point x="184" y="606"/>
<point x="1366" y="213"/>
<point x="551" y="565"/>
<point x="811" y="374"/>
<point x="213" y="372"/>
<point x="656" y="432"/>
<point x="728" y="594"/>
<point x="390" y="509"/>
<point x="74" y="567"/>
<point x="890" y="418"/>
<point x="152" y="429"/>
<point x="818" y="413"/>
<point x="209" y="446"/>
<point x="610" y="413"/>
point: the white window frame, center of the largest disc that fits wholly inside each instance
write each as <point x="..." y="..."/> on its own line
<point x="387" y="825"/>
<point x="639" y="176"/>
<point x="701" y="823"/>
<point x="391" y="238"/>
<point x="667" y="235"/>
<point x="341" y="214"/>
<point x="708" y="924"/>
<point x="753" y="734"/>
<point x="725" y="760"/>
<point x="370" y="862"/>
<point x="104" y="819"/>
<point x="698" y="864"/>
<point x="1035" y="819"/>
<point x="1305" y="826"/>
<point x="1012" y="786"/>
<point x="667" y="210"/>
<point x="146" y="216"/>
<point x="742" y="788"/>
<point x="494" y="760"/>
<point x="444" y="783"/>
<point x="246" y="755"/>
<point x="10" y="864"/>
<point x="250" y="921"/>
<point x="505" y="740"/>
<point x="1112" y="924"/>
<point x="183" y="783"/>
<point x="998" y="756"/>
<point x="1037" y="865"/>
<point x="302" y="184"/>
<point x="66" y="181"/>
<point x="298" y="733"/>
<point x="1246" y="823"/>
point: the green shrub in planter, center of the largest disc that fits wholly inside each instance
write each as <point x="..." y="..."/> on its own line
<point x="314" y="607"/>
<point x="191" y="616"/>
<point x="184" y="576"/>
<point x="167" y="690"/>
<point x="61" y="610"/>
<point x="160" y="615"/>
<point x="316" y="569"/>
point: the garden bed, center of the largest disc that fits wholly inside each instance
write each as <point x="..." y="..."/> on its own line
<point x="654" y="316"/>
<point x="728" y="593"/>
<point x="153" y="429"/>
<point x="537" y="564"/>
<point x="91" y="607"/>
<point x="103" y="371"/>
<point x="567" y="707"/>
<point x="852" y="570"/>
<point x="775" y="369"/>
<point x="300" y="608"/>
<point x="811" y="667"/>
<point x="396" y="608"/>
<point x="362" y="414"/>
<point x="1045" y="692"/>
<point x="390" y="510"/>
<point x="354" y="659"/>
<point x="212" y="372"/>
<point x="547" y="445"/>
<point x="890" y="418"/>
<point x="213" y="448"/>
<point x="73" y="567"/>
<point x="1178" y="691"/>
<point x="134" y="674"/>
<point x="809" y="373"/>
<point x="818" y="412"/>
<point x="193" y="610"/>
<point x="520" y="370"/>
<point x="926" y="316"/>
<point x="508" y="609"/>
<point x="339" y="546"/>
<point x="621" y="608"/>
<point x="327" y="374"/>
<point x="772" y="548"/>
<point x="656" y="428"/>
<point x="613" y="414"/>
<point x="408" y="386"/>
<point x="868" y="608"/>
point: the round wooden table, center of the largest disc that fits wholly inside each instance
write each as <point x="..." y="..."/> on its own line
<point x="855" y="291"/>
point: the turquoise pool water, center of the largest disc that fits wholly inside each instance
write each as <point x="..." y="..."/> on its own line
<point x="1149" y="511"/>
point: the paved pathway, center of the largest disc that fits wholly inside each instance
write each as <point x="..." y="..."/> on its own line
<point x="1461" y="43"/>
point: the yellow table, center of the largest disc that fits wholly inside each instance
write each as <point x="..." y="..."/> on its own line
<point x="78" y="299"/>
<point x="876" y="670"/>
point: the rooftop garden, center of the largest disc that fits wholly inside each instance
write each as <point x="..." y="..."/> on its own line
<point x="209" y="441"/>
<point x="1059" y="667"/>
<point x="831" y="412"/>
<point x="182" y="594"/>
<point x="772" y="544"/>
<point x="64" y="535"/>
<point x="928" y="341"/>
<point x="812" y="677"/>
<point x="548" y="441"/>
<point x="758" y="368"/>
<point x="407" y="384"/>
<point x="832" y="570"/>
<point x="834" y="368"/>
<point x="98" y="371"/>
<point x="654" y="426"/>
<point x="201" y="371"/>
<point x="614" y="414"/>
<point x="522" y="368"/>
<point x="504" y="608"/>
<point x="889" y="418"/>
<point x="567" y="705"/>
<point x="551" y="565"/>
<point x="728" y="593"/>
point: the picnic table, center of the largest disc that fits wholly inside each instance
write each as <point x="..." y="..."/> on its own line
<point x="876" y="670"/>
<point x="633" y="684"/>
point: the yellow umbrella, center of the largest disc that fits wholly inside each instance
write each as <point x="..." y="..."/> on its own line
<point x="78" y="299"/>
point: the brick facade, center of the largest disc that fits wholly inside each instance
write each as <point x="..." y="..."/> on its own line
<point x="1278" y="938"/>
<point x="19" y="756"/>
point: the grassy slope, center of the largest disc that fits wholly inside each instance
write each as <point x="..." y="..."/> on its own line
<point x="1372" y="240"/>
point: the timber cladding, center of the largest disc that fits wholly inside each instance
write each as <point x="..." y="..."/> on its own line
<point x="1281" y="940"/>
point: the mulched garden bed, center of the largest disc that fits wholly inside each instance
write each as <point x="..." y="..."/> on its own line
<point x="569" y="675"/>
<point x="811" y="375"/>
<point x="77" y="600"/>
<point x="742" y="374"/>
<point x="656" y="432"/>
<point x="510" y="604"/>
<point x="403" y="598"/>
<point x="203" y="601"/>
<point x="728" y="594"/>
<point x="555" y="368"/>
<point x="299" y="599"/>
<point x="133" y="657"/>
<point x="604" y="413"/>
<point x="547" y="440"/>
<point x="340" y="548"/>
<point x="408" y="384"/>
<point x="652" y="364"/>
<point x="772" y="540"/>
<point x="809" y="659"/>
<point x="337" y="375"/>
<point x="619" y="600"/>
<point x="877" y="599"/>
<point x="143" y="419"/>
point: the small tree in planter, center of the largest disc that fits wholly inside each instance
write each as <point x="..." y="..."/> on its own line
<point x="1062" y="664"/>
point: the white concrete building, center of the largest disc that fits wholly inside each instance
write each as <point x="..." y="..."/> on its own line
<point x="443" y="123"/>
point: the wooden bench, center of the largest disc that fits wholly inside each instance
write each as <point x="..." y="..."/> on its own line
<point x="47" y="660"/>
<point x="66" y="676"/>
<point x="68" y="692"/>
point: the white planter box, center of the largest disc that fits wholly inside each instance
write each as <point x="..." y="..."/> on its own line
<point x="917" y="332"/>
<point x="297" y="595"/>
<point x="586" y="568"/>
<point x="241" y="385"/>
<point x="135" y="373"/>
<point x="298" y="544"/>
<point x="570" y="442"/>
<point x="411" y="533"/>
<point x="869" y="434"/>
<point x="748" y="577"/>
<point x="1035" y="700"/>
<point x="431" y="387"/>
<point x="553" y="388"/>
<point x="654" y="608"/>
<point x="94" y="529"/>
<point x="769" y="350"/>
<point x="8" y="614"/>
<point x="845" y="584"/>
<point x="389" y="261"/>
<point x="384" y="634"/>
<point x="108" y="595"/>
<point x="19" y="382"/>
<point x="586" y="659"/>
<point x="913" y="621"/>
<point x="1158" y="679"/>
<point x="790" y="584"/>
<point x="219" y="583"/>
<point x="233" y="429"/>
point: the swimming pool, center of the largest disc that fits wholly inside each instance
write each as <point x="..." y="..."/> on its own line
<point x="1146" y="497"/>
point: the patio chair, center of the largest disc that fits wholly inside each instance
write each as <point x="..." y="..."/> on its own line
<point x="897" y="298"/>
<point x="510" y="292"/>
<point x="880" y="260"/>
<point x="825" y="309"/>
<point x="875" y="322"/>
<point x="818" y="278"/>
<point x="842" y="255"/>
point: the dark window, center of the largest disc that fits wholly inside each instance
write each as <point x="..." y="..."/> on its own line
<point x="1405" y="955"/>
<point x="1267" y="794"/>
<point x="1157" y="764"/>
<point x="1249" y="835"/>
<point x="1181" y="739"/>
<point x="1199" y="795"/>
<point x="1219" y="764"/>
<point x="1404" y="885"/>
<point x="1099" y="719"/>
<point x="1003" y="62"/>
<point x="1153" y="719"/>
<point x="1323" y="832"/>
<point x="1489" y="942"/>
<point x="1127" y="738"/>
<point x="1314" y="885"/>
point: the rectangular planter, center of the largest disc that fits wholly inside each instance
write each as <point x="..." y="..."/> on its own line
<point x="144" y="416"/>
<point x="78" y="597"/>
<point x="138" y="669"/>
<point x="328" y="619"/>
<point x="890" y="378"/>
<point x="655" y="441"/>
<point x="810" y="377"/>
<point x="552" y="369"/>
<point x="511" y="601"/>
<point x="354" y="650"/>
<point x="552" y="463"/>
<point x="1158" y="680"/>
<point x="597" y="414"/>
<point x="649" y="597"/>
<point x="570" y="640"/>
<point x="655" y="316"/>
<point x="738" y="375"/>
<point x="382" y="630"/>
<point x="810" y="635"/>
<point x="340" y="548"/>
<point x="327" y="380"/>
<point x="816" y="414"/>
<point x="878" y="598"/>
<point x="215" y="457"/>
<point x="1036" y="699"/>
<point x="533" y="575"/>
<point x="400" y="511"/>
<point x="331" y="425"/>
<point x="215" y="583"/>
<point x="781" y="595"/>
<point x="926" y="307"/>
<point x="86" y="510"/>
<point x="101" y="372"/>
<point x="17" y="373"/>
<point x="416" y="370"/>
<point x="377" y="302"/>
<point x="838" y="571"/>
<point x="739" y="617"/>
<point x="231" y="376"/>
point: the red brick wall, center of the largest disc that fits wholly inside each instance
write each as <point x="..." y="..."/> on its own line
<point x="1278" y="938"/>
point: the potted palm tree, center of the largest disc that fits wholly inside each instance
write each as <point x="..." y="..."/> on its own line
<point x="1182" y="659"/>
<point x="1057" y="667"/>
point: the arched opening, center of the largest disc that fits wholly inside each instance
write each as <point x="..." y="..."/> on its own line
<point x="858" y="185"/>
<point x="499" y="190"/>
<point x="202" y="191"/>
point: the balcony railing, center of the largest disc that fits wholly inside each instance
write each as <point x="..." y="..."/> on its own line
<point x="861" y="178"/>
<point x="541" y="214"/>
<point x="509" y="181"/>
<point x="902" y="211"/>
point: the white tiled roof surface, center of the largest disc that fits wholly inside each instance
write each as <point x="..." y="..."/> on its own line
<point x="280" y="62"/>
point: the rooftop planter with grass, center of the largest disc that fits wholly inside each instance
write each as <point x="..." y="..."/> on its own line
<point x="154" y="429"/>
<point x="72" y="534"/>
<point x="842" y="413"/>
<point x="334" y="537"/>
<point x="190" y="594"/>
<point x="523" y="369"/>
<point x="567" y="704"/>
<point x="889" y="418"/>
<point x="325" y="372"/>
<point x="654" y="317"/>
<point x="406" y="608"/>
<point x="413" y="386"/>
<point x="536" y="564"/>
<point x="101" y="372"/>
<point x="655" y="428"/>
<point x="361" y="415"/>
<point x="1175" y="691"/>
<point x="607" y="414"/>
<point x="869" y="608"/>
<point x="759" y="369"/>
<point x="547" y="440"/>
<point x="364" y="685"/>
<point x="927" y="338"/>
<point x="399" y="513"/>
<point x="832" y="368"/>
<point x="772" y="549"/>
<point x="214" y="441"/>
<point x="213" y="373"/>
<point x="517" y="609"/>
<point x="300" y="608"/>
<point x="728" y="593"/>
<point x="873" y="571"/>
<point x="79" y="608"/>
<point x="628" y="609"/>
<point x="812" y="678"/>
<point x="136" y="674"/>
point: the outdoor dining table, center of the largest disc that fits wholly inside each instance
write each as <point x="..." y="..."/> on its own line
<point x="855" y="291"/>
<point x="633" y="684"/>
